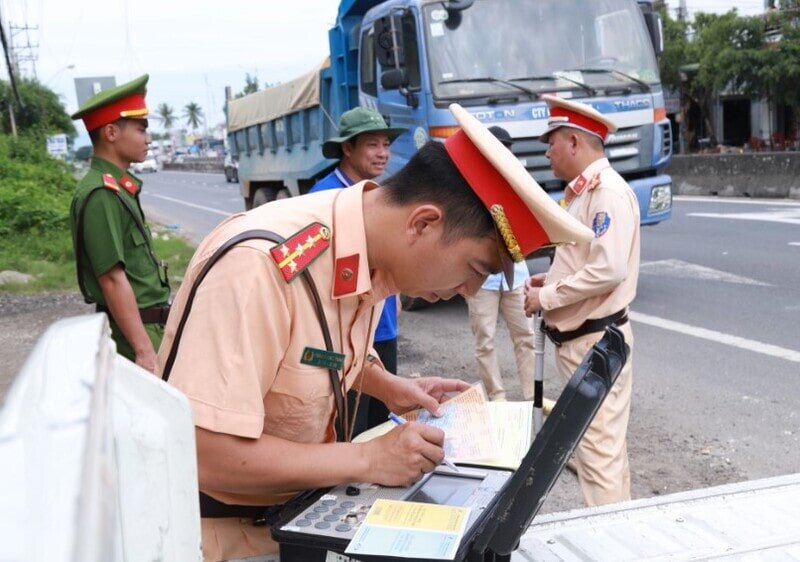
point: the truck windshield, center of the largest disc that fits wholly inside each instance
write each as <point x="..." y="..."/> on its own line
<point x="590" y="48"/>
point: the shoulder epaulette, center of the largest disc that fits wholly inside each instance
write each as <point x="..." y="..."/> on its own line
<point x="594" y="182"/>
<point x="110" y="183"/>
<point x="300" y="250"/>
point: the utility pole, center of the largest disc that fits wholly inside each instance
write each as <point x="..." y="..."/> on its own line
<point x="682" y="12"/>
<point x="12" y="78"/>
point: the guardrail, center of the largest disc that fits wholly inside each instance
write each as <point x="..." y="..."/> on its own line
<point x="763" y="175"/>
<point x="214" y="165"/>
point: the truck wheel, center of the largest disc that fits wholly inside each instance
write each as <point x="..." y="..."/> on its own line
<point x="264" y="195"/>
<point x="411" y="303"/>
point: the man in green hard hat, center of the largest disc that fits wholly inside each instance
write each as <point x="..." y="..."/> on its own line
<point x="116" y="265"/>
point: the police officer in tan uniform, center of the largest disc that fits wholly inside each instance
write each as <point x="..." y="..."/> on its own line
<point x="265" y="356"/>
<point x="590" y="286"/>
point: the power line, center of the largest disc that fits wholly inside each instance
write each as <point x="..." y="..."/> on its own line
<point x="25" y="52"/>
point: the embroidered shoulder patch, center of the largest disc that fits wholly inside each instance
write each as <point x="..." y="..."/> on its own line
<point x="600" y="224"/>
<point x="300" y="250"/>
<point x="110" y="183"/>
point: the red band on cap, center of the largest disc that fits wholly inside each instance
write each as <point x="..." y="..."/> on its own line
<point x="581" y="120"/>
<point x="493" y="189"/>
<point x="113" y="111"/>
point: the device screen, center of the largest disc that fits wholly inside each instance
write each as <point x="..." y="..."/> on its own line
<point x="441" y="489"/>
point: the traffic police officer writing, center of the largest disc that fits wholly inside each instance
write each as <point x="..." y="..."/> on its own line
<point x="116" y="266"/>
<point x="265" y="354"/>
<point x="589" y="286"/>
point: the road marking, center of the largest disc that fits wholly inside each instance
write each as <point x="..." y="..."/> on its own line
<point x="684" y="270"/>
<point x="196" y="206"/>
<point x="785" y="216"/>
<point x="794" y="243"/>
<point x="718" y="337"/>
<point x="771" y="202"/>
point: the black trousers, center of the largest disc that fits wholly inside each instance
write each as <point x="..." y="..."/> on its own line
<point x="371" y="411"/>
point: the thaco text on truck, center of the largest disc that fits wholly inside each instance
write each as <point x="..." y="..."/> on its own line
<point x="410" y="59"/>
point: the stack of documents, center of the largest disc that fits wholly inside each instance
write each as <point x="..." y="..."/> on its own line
<point x="476" y="431"/>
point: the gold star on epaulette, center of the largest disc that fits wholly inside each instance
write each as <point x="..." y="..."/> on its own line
<point x="308" y="244"/>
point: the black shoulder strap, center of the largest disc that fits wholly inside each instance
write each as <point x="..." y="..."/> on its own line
<point x="77" y="239"/>
<point x="312" y="289"/>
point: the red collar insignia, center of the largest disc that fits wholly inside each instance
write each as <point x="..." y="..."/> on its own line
<point x="582" y="184"/>
<point x="579" y="185"/>
<point x="300" y="250"/>
<point x="110" y="183"/>
<point x="129" y="185"/>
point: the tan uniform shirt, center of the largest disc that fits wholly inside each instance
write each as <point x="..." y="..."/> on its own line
<point x="589" y="281"/>
<point x="239" y="356"/>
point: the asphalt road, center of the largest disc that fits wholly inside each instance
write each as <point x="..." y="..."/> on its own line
<point x="192" y="203"/>
<point x="717" y="318"/>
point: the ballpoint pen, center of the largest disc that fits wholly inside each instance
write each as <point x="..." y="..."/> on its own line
<point x="400" y="421"/>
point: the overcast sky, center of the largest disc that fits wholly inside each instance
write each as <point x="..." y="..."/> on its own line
<point x="191" y="49"/>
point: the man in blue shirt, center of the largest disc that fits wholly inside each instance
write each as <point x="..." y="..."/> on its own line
<point x="362" y="148"/>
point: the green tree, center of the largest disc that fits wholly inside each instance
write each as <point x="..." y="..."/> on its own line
<point x="675" y="47"/>
<point x="779" y="70"/>
<point x="250" y="85"/>
<point x="42" y="112"/>
<point x="726" y="52"/>
<point x="167" y="115"/>
<point x="193" y="114"/>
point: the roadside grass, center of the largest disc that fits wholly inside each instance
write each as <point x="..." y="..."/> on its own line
<point x="48" y="258"/>
<point x="35" y="195"/>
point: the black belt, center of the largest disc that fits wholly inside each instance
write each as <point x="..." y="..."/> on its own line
<point x="596" y="325"/>
<point x="152" y="315"/>
<point x="261" y="515"/>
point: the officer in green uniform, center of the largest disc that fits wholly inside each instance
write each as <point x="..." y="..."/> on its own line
<point x="116" y="265"/>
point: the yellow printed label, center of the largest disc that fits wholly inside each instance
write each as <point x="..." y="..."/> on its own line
<point x="413" y="515"/>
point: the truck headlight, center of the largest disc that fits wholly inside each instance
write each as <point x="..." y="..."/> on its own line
<point x="660" y="199"/>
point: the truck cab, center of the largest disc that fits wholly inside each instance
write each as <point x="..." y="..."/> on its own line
<point x="410" y="59"/>
<point x="497" y="58"/>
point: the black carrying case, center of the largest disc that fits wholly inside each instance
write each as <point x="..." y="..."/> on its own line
<point x="497" y="533"/>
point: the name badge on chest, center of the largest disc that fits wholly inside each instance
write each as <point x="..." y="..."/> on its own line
<point x="322" y="358"/>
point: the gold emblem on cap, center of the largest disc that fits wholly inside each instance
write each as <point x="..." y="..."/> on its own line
<point x="500" y="219"/>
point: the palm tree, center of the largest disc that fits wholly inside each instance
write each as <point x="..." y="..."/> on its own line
<point x="167" y="115"/>
<point x="194" y="115"/>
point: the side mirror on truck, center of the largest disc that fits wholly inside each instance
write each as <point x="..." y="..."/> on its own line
<point x="655" y="28"/>
<point x="394" y="79"/>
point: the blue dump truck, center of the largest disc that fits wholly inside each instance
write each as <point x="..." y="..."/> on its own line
<point x="410" y="59"/>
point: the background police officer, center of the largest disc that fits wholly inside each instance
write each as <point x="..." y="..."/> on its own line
<point x="589" y="286"/>
<point x="116" y="266"/>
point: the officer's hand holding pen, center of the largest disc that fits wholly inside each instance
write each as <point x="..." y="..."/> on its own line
<point x="397" y="420"/>
<point x="404" y="455"/>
